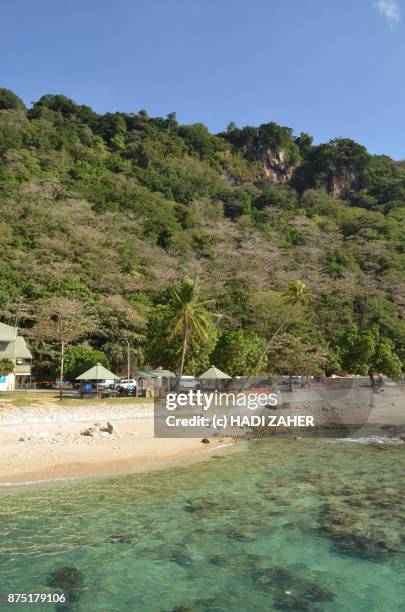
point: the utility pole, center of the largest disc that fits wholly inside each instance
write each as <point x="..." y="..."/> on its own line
<point x="128" y="358"/>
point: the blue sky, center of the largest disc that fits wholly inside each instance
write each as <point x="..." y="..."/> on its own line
<point x="327" y="67"/>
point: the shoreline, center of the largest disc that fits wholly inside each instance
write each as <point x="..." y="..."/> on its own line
<point x="45" y="443"/>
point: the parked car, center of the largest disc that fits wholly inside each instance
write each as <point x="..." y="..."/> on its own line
<point x="126" y="383"/>
<point x="188" y="382"/>
<point x="106" y="384"/>
<point x="66" y="384"/>
<point x="295" y="380"/>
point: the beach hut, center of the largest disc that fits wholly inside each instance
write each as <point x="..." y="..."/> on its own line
<point x="154" y="379"/>
<point x="97" y="373"/>
<point x="214" y="373"/>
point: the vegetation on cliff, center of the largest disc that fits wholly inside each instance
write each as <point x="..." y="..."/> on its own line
<point x="111" y="210"/>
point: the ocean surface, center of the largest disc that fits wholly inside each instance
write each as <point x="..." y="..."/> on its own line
<point x="310" y="524"/>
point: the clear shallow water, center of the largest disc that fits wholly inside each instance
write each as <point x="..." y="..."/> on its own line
<point x="281" y="525"/>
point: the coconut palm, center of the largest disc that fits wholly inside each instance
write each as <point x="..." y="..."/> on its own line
<point x="294" y="295"/>
<point x="297" y="294"/>
<point x="187" y="316"/>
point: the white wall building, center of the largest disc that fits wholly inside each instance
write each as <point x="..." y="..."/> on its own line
<point x="13" y="347"/>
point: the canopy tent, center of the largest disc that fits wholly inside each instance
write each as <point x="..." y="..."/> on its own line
<point x="97" y="372"/>
<point x="214" y="373"/>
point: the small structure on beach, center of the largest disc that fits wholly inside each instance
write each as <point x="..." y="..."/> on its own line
<point x="154" y="381"/>
<point x="214" y="378"/>
<point x="96" y="374"/>
<point x="214" y="373"/>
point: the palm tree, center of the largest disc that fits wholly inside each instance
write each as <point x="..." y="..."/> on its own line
<point x="187" y="316"/>
<point x="294" y="295"/>
<point x="297" y="294"/>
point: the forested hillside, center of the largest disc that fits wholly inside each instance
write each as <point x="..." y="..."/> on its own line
<point x="110" y="210"/>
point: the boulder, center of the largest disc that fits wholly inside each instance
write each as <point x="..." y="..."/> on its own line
<point x="90" y="431"/>
<point x="112" y="429"/>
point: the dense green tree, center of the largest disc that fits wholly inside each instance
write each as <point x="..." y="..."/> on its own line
<point x="6" y="366"/>
<point x="291" y="356"/>
<point x="81" y="357"/>
<point x="9" y="100"/>
<point x="367" y="352"/>
<point x="238" y="352"/>
<point x="161" y="350"/>
<point x="182" y="328"/>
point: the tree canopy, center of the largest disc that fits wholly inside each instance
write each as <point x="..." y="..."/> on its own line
<point x="111" y="210"/>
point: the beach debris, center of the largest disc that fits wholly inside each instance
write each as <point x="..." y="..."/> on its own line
<point x="123" y="538"/>
<point x="68" y="579"/>
<point x="21" y="439"/>
<point x="205" y="441"/>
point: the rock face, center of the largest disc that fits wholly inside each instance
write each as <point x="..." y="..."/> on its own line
<point x="275" y="167"/>
<point x="341" y="185"/>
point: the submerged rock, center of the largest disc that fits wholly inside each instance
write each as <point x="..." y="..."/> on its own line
<point x="67" y="579"/>
<point x="315" y="592"/>
<point x="289" y="601"/>
<point x="212" y="506"/>
<point x="181" y="559"/>
<point x="274" y="577"/>
<point x="368" y="520"/>
<point x="125" y="538"/>
<point x="240" y="533"/>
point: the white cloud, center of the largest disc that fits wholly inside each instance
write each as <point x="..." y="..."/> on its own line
<point x="389" y="9"/>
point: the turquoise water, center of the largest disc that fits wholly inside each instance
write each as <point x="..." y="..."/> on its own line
<point x="281" y="525"/>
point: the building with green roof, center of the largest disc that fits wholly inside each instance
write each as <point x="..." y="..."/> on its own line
<point x="14" y="347"/>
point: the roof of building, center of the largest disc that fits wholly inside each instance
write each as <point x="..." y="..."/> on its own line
<point x="156" y="374"/>
<point x="20" y="350"/>
<point x="214" y="373"/>
<point x="7" y="332"/>
<point x="97" y="372"/>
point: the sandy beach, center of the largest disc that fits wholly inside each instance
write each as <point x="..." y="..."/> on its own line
<point x="45" y="442"/>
